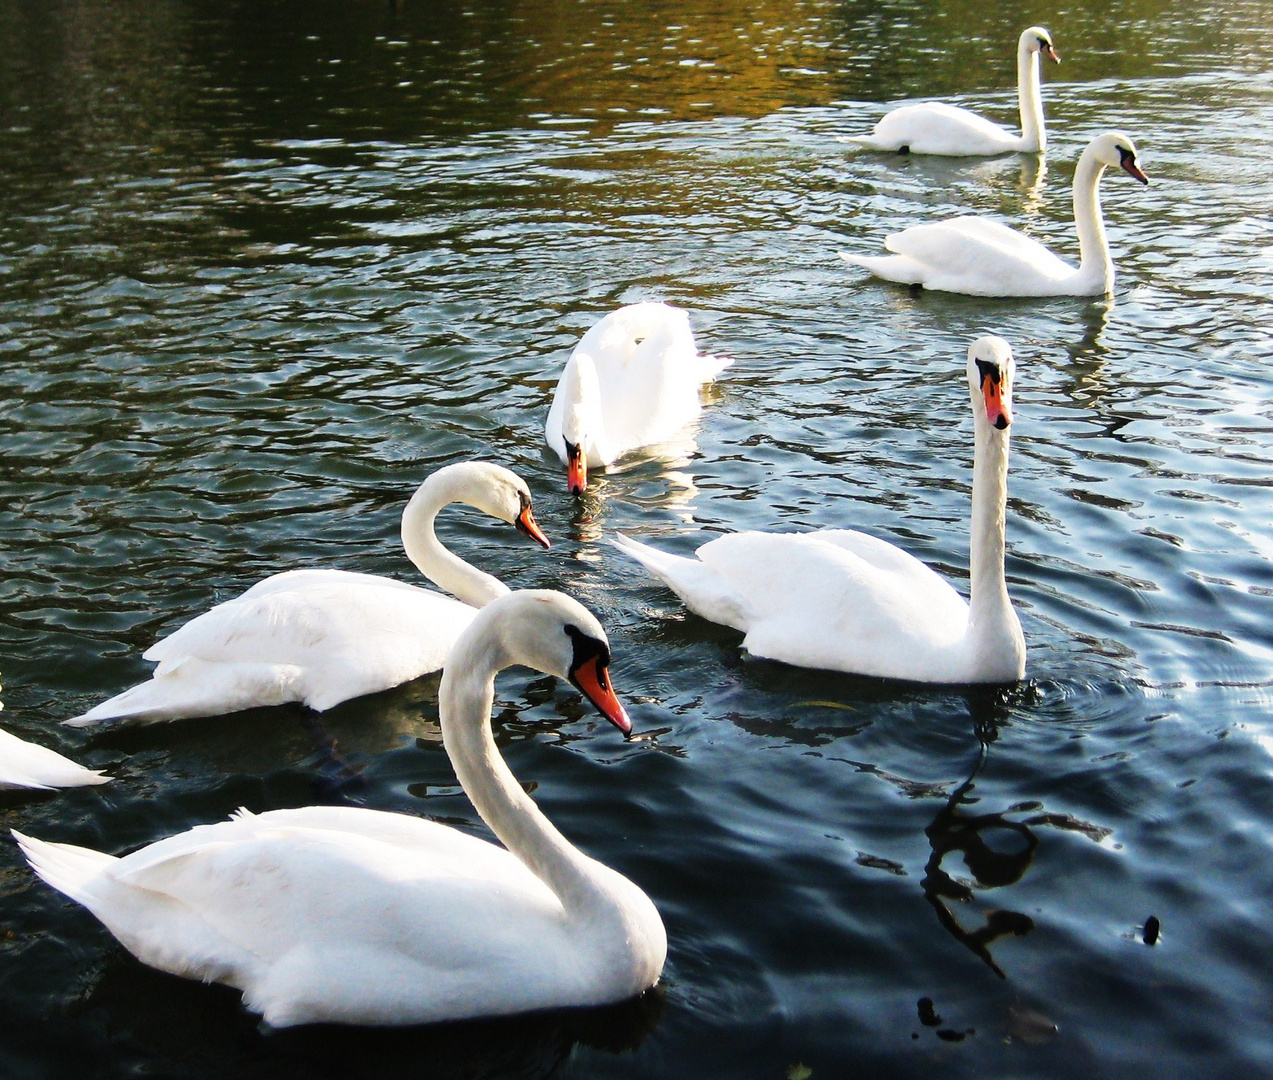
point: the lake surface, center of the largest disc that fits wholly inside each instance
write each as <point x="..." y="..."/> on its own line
<point x="264" y="266"/>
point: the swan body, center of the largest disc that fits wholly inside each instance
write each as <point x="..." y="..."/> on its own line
<point x="348" y="915"/>
<point x="979" y="257"/>
<point x="27" y="765"/>
<point x="320" y="636"/>
<point x="933" y="127"/>
<point x="633" y="380"/>
<point x="845" y="601"/>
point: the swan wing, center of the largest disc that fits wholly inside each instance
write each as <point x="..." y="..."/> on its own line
<point x="933" y="127"/>
<point x="325" y="913"/>
<point x="971" y="255"/>
<point x="314" y="636"/>
<point x="29" y="765"/>
<point x="840" y="601"/>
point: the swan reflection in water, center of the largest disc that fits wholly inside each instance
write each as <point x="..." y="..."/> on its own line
<point x="997" y="850"/>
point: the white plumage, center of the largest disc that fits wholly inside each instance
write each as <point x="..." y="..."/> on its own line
<point x="933" y="127"/>
<point x="846" y="601"/>
<point x="347" y="915"/>
<point x="321" y="637"/>
<point x="979" y="257"/>
<point x="633" y="380"/>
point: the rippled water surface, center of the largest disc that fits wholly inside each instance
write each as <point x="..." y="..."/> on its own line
<point x="263" y="266"/>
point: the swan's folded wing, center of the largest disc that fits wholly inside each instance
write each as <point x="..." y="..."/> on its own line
<point x="704" y="591"/>
<point x="975" y="245"/>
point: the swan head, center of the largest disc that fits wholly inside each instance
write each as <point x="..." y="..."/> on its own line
<point x="580" y="418"/>
<point x="557" y="635"/>
<point x="991" y="369"/>
<point x="487" y="487"/>
<point x="1036" y="39"/>
<point x="1118" y="152"/>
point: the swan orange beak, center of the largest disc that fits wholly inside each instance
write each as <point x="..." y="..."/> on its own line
<point x="525" y="523"/>
<point x="592" y="678"/>
<point x="576" y="469"/>
<point x="998" y="411"/>
<point x="1051" y="54"/>
<point x="1131" y="168"/>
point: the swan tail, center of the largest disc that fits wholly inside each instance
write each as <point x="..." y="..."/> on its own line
<point x="67" y="868"/>
<point x="867" y="141"/>
<point x="710" y="366"/>
<point x="897" y="268"/>
<point x="704" y="591"/>
<point x="196" y="688"/>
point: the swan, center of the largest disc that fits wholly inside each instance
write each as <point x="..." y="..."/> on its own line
<point x="933" y="127"/>
<point x="333" y="914"/>
<point x="321" y="637"/>
<point x="27" y="765"/>
<point x="979" y="257"/>
<point x="845" y="601"/>
<point x="632" y="381"/>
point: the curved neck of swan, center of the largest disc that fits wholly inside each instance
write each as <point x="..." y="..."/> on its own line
<point x="1034" y="136"/>
<point x="990" y="609"/>
<point x="464" y="703"/>
<point x="446" y="570"/>
<point x="582" y="422"/>
<point x="1094" y="261"/>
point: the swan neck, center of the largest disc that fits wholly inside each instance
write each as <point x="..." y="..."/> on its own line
<point x="444" y="568"/>
<point x="465" y="698"/>
<point x="989" y="603"/>
<point x="1094" y="260"/>
<point x="1034" y="137"/>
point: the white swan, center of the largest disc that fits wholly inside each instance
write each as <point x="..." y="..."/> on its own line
<point x="846" y="601"/>
<point x="321" y="637"/>
<point x="346" y="915"/>
<point x="632" y="381"/>
<point x="26" y="765"/>
<point x="933" y="127"/>
<point x="980" y="257"/>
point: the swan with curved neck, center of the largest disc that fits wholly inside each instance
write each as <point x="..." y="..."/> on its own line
<point x="329" y="914"/>
<point x="29" y="765"/>
<point x="632" y="381"/>
<point x="933" y="127"/>
<point x="844" y="601"/>
<point x="979" y="257"/>
<point x="320" y="637"/>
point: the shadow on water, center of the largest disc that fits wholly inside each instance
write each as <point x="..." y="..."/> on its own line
<point x="171" y="1023"/>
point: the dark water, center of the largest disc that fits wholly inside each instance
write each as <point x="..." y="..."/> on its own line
<point x="263" y="266"/>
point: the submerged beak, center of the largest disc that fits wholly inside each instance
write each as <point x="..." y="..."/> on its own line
<point x="998" y="411"/>
<point x="525" y="523"/>
<point x="576" y="469"/>
<point x="592" y="677"/>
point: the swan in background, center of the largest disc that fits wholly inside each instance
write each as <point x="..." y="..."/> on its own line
<point x="632" y="381"/>
<point x="845" y="601"/>
<point x="328" y="914"/>
<point x="321" y="637"/>
<point x="979" y="257"/>
<point x="934" y="127"/>
<point x="26" y="765"/>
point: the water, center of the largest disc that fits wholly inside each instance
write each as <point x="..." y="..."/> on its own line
<point x="263" y="267"/>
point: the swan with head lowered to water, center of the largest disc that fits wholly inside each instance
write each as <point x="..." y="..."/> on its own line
<point x="320" y="637"/>
<point x="633" y="380"/>
<point x="933" y="127"/>
<point x="329" y="914"/>
<point x="845" y="601"/>
<point x="979" y="257"/>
